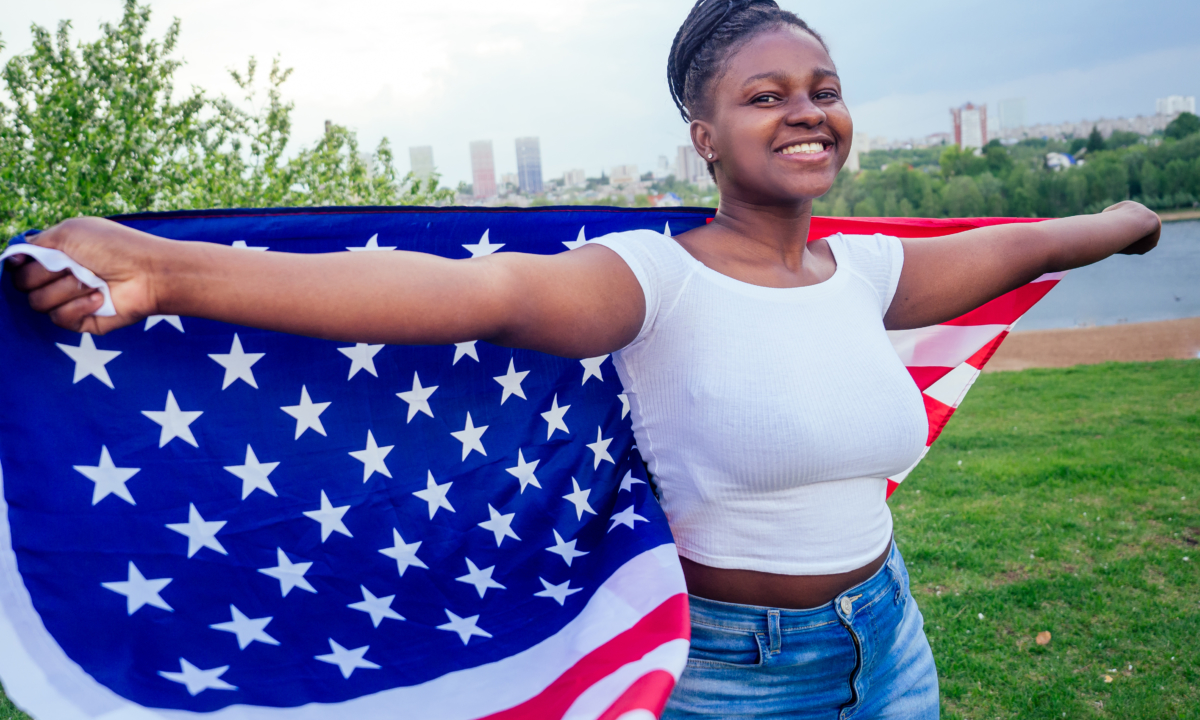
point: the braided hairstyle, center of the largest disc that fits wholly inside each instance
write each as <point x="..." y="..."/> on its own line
<point x="713" y="30"/>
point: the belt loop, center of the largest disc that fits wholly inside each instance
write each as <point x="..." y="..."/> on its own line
<point x="773" y="631"/>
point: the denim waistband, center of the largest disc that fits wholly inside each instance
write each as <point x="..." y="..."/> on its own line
<point x="885" y="583"/>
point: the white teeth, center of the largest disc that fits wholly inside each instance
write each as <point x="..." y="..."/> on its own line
<point x="806" y="148"/>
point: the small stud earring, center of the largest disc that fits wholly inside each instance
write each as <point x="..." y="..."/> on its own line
<point x="710" y="156"/>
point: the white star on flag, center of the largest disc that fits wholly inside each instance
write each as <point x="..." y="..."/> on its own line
<point x="405" y="554"/>
<point x="624" y="404"/>
<point x="372" y="458"/>
<point x="196" y="680"/>
<point x="481" y="579"/>
<point x="362" y="357"/>
<point x="600" y="448"/>
<point x="591" y="368"/>
<point x="523" y="472"/>
<point x="499" y="525"/>
<point x="347" y="660"/>
<point x="200" y="534"/>
<point x="90" y="361"/>
<point x="242" y="244"/>
<point x="667" y="230"/>
<point x="330" y="518"/>
<point x="379" y="608"/>
<point x="484" y="247"/>
<point x="465" y="627"/>
<point x="417" y="398"/>
<point x="565" y="549"/>
<point x="629" y="481"/>
<point x="578" y="242"/>
<point x="555" y="418"/>
<point x="471" y="438"/>
<point x="289" y="574"/>
<point x="254" y="475"/>
<point x="172" y="320"/>
<point x="307" y="413"/>
<point x="511" y="382"/>
<point x="435" y="495"/>
<point x="247" y="629"/>
<point x="626" y="517"/>
<point x="559" y="593"/>
<point x="465" y="349"/>
<point x="109" y="479"/>
<point x="139" y="591"/>
<point x="579" y="498"/>
<point x="175" y="423"/>
<point x="372" y="246"/>
<point x="237" y="364"/>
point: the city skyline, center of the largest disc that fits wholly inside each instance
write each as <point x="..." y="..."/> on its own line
<point x="588" y="81"/>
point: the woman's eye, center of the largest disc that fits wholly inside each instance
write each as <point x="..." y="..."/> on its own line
<point x="766" y="99"/>
<point x="826" y="95"/>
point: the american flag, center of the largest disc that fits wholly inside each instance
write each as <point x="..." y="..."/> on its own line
<point x="202" y="518"/>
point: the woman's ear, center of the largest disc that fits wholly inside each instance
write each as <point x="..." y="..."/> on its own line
<point x="703" y="141"/>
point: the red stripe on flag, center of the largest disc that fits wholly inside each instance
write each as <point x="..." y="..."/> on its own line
<point x="669" y="621"/>
<point x="939" y="414"/>
<point x="979" y="359"/>
<point x="649" y="692"/>
<point x="892" y="485"/>
<point x="1006" y="309"/>
<point x="902" y="227"/>
<point x="926" y="375"/>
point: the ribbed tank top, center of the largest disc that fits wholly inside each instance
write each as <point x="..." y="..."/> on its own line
<point x="770" y="418"/>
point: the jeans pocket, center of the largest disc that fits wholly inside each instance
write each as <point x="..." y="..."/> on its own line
<point x="724" y="647"/>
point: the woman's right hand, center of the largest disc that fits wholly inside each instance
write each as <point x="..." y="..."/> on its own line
<point x="121" y="257"/>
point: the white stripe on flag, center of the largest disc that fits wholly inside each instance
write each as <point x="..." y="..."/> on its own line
<point x="592" y="703"/>
<point x="951" y="388"/>
<point x="941" y="345"/>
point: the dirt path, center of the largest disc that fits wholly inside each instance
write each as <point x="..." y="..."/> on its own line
<point x="1135" y="342"/>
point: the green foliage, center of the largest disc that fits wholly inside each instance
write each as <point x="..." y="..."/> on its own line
<point x="93" y="129"/>
<point x="1182" y="126"/>
<point x="1014" y="181"/>
<point x="1095" y="141"/>
<point x="1073" y="508"/>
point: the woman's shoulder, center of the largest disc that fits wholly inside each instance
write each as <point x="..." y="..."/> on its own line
<point x="878" y="259"/>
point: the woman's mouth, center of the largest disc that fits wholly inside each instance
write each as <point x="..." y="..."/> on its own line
<point x="805" y="150"/>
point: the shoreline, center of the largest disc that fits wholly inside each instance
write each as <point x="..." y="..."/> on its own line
<point x="1130" y="342"/>
<point x="1178" y="215"/>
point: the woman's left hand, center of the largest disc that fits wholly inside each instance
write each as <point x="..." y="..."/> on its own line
<point x="1147" y="242"/>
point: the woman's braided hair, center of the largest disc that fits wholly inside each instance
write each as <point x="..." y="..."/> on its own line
<point x="708" y="37"/>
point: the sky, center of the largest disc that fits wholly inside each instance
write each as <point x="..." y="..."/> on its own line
<point x="588" y="76"/>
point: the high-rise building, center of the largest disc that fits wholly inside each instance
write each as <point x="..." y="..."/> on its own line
<point x="623" y="175"/>
<point x="1012" y="116"/>
<point x="529" y="165"/>
<point x="421" y="160"/>
<point x="483" y="169"/>
<point x="663" y="168"/>
<point x="859" y="144"/>
<point x="575" y="178"/>
<point x="1175" y="104"/>
<point x="690" y="167"/>
<point x="970" y="125"/>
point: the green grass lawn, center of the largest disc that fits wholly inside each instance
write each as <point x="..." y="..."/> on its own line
<point x="1062" y="501"/>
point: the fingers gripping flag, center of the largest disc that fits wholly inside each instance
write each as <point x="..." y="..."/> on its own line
<point x="207" y="519"/>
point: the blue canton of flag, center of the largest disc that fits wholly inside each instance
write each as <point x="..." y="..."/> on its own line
<point x="202" y="517"/>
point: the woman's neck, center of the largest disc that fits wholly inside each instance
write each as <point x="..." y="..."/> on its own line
<point x="765" y="233"/>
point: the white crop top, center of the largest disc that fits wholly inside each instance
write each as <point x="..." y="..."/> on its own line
<point x="771" y="417"/>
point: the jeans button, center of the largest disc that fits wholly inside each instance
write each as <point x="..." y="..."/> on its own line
<point x="847" y="605"/>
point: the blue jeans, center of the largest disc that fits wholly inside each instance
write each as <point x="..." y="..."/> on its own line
<point x="863" y="655"/>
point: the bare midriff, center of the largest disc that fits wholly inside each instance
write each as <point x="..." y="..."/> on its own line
<point x="792" y="592"/>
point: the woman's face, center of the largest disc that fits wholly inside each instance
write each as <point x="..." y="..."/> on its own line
<point x="776" y="122"/>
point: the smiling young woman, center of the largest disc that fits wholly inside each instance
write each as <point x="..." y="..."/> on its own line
<point x="764" y="393"/>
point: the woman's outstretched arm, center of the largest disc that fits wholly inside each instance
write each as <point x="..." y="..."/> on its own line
<point x="581" y="303"/>
<point x="948" y="276"/>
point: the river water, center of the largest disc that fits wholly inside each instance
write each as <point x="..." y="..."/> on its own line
<point x="1164" y="284"/>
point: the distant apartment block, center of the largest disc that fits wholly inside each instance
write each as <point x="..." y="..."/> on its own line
<point x="483" y="169"/>
<point x="421" y="160"/>
<point x="508" y="182"/>
<point x="529" y="165"/>
<point x="690" y="167"/>
<point x="1175" y="104"/>
<point x="623" y="175"/>
<point x="970" y="125"/>
<point x="574" y="178"/>
<point x="662" y="168"/>
<point x="1012" y="116"/>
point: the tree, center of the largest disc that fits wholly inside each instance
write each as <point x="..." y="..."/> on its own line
<point x="93" y="129"/>
<point x="1182" y="126"/>
<point x="1095" y="141"/>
